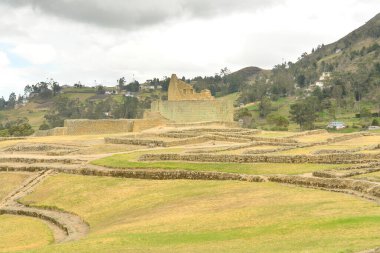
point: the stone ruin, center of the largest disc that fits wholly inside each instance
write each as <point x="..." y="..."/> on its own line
<point x="184" y="106"/>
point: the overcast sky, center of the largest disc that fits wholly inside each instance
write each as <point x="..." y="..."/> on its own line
<point x="99" y="41"/>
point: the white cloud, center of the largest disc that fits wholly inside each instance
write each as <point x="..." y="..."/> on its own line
<point x="36" y="53"/>
<point x="4" y="61"/>
<point x="195" y="41"/>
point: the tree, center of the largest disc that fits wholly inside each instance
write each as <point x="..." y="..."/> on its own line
<point x="245" y="116"/>
<point x="121" y="82"/>
<point x="303" y="113"/>
<point x="55" y="87"/>
<point x="64" y="108"/>
<point x="375" y="122"/>
<point x="3" y="103"/>
<point x="265" y="107"/>
<point x="301" y="81"/>
<point x="42" y="89"/>
<point x="27" y="90"/>
<point x="100" y="89"/>
<point x="133" y="86"/>
<point x="12" y="101"/>
<point x="128" y="109"/>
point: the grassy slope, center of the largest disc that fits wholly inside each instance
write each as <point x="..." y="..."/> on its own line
<point x="130" y="161"/>
<point x="375" y="176"/>
<point x="32" y="111"/>
<point x="19" y="233"/>
<point x="9" y="181"/>
<point x="22" y="233"/>
<point x="209" y="216"/>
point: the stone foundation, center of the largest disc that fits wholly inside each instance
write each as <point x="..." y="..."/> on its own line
<point x="102" y="126"/>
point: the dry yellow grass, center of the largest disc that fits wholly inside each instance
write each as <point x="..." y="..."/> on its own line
<point x="10" y="181"/>
<point x="209" y="216"/>
<point x="22" y="233"/>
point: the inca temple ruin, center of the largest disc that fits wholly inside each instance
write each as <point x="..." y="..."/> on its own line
<point x="184" y="106"/>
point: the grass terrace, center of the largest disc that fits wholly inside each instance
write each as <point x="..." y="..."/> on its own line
<point x="208" y="216"/>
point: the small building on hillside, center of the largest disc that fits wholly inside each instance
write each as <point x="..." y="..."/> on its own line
<point x="336" y="125"/>
<point x="322" y="79"/>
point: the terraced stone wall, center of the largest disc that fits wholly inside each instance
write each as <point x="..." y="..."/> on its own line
<point x="84" y="126"/>
<point x="58" y="131"/>
<point x="195" y="111"/>
<point x="329" y="159"/>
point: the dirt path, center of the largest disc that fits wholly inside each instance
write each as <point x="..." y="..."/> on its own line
<point x="65" y="226"/>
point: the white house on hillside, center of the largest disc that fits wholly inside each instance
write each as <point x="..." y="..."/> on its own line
<point x="322" y="79"/>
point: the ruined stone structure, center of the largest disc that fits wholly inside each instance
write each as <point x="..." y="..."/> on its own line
<point x="102" y="126"/>
<point x="180" y="91"/>
<point x="184" y="105"/>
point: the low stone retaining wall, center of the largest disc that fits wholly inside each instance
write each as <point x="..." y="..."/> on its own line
<point x="156" y="143"/>
<point x="265" y="151"/>
<point x="38" y="147"/>
<point x="58" y="131"/>
<point x="348" y="137"/>
<point x="11" y="138"/>
<point x="148" y="173"/>
<point x="179" y="135"/>
<point x="348" y="171"/>
<point x="306" y="133"/>
<point x="363" y="187"/>
<point x="328" y="159"/>
<point x="209" y="123"/>
<point x="38" y="160"/>
<point x="346" y="151"/>
<point x="35" y="215"/>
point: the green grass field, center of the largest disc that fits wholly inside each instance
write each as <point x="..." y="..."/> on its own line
<point x="129" y="215"/>
<point x="130" y="161"/>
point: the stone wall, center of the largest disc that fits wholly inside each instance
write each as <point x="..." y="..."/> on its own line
<point x="58" y="131"/>
<point x="144" y="124"/>
<point x="84" y="126"/>
<point x="328" y="159"/>
<point x="370" y="188"/>
<point x="195" y="111"/>
<point x="206" y="123"/>
<point x="179" y="90"/>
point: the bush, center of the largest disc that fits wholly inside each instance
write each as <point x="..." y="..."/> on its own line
<point x="4" y="133"/>
<point x="276" y="128"/>
<point x="278" y="120"/>
<point x="44" y="126"/>
<point x="19" y="127"/>
<point x="365" y="113"/>
<point x="375" y="122"/>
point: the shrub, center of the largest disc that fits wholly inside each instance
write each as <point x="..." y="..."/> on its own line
<point x="44" y="126"/>
<point x="278" y="120"/>
<point x="375" y="122"/>
<point x="4" y="133"/>
<point x="19" y="127"/>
